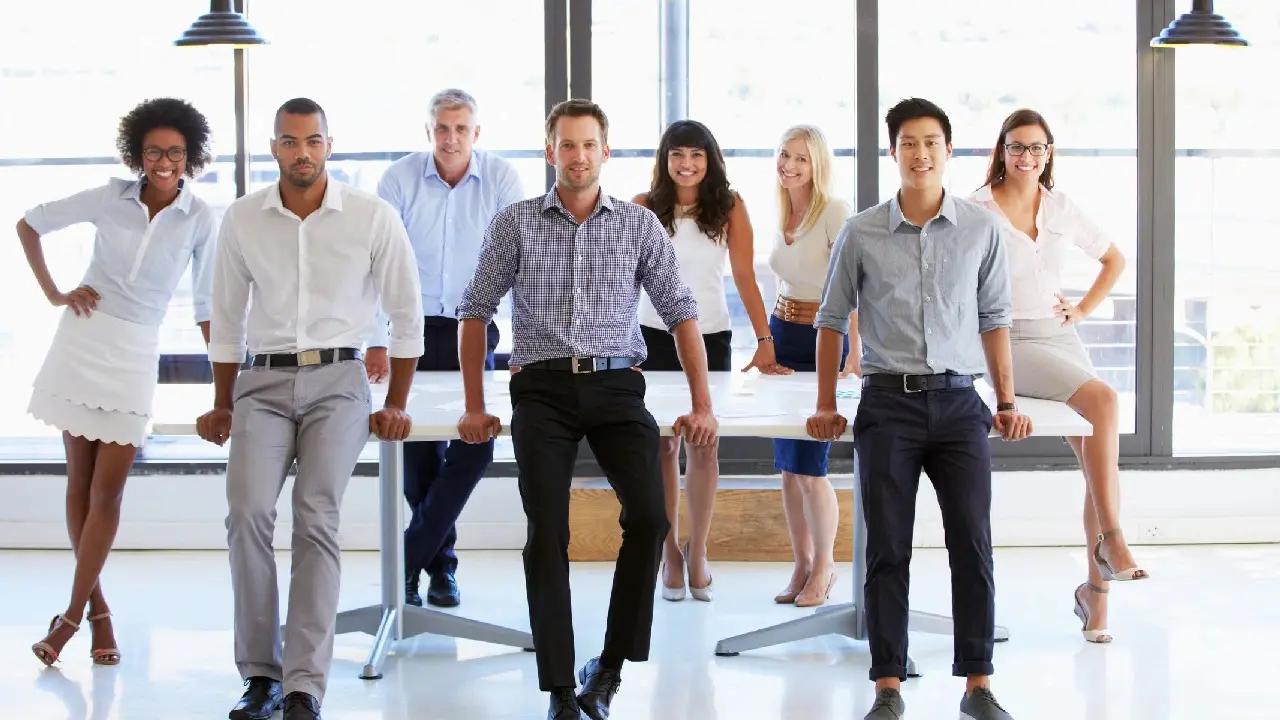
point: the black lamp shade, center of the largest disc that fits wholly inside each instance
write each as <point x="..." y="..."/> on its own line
<point x="1201" y="26"/>
<point x="220" y="26"/>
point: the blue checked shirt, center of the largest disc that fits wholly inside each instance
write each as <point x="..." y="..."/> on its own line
<point x="575" y="287"/>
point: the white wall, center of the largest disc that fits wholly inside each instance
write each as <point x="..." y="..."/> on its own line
<point x="1030" y="508"/>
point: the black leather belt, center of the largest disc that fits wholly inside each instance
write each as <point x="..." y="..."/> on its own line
<point x="917" y="383"/>
<point x="582" y="364"/>
<point x="306" y="358"/>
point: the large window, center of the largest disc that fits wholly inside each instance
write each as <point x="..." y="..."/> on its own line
<point x="1088" y="98"/>
<point x="754" y="72"/>
<point x="624" y="72"/>
<point x="375" y="80"/>
<point x="68" y="71"/>
<point x="1227" y="307"/>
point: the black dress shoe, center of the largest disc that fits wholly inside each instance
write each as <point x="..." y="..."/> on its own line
<point x="260" y="701"/>
<point x="411" y="596"/>
<point x="301" y="706"/>
<point x="564" y="705"/>
<point x="443" y="591"/>
<point x="599" y="685"/>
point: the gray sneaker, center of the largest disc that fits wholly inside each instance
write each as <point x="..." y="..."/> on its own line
<point x="889" y="706"/>
<point x="981" y="705"/>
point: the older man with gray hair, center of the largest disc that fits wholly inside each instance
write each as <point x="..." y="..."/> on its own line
<point x="446" y="198"/>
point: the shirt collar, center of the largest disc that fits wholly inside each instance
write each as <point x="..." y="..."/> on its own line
<point x="134" y="189"/>
<point x="473" y="166"/>
<point x="552" y="200"/>
<point x="948" y="211"/>
<point x="332" y="197"/>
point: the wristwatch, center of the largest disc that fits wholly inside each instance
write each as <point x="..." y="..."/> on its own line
<point x="1001" y="407"/>
<point x="765" y="339"/>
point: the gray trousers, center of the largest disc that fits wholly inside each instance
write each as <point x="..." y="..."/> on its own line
<point x="318" y="416"/>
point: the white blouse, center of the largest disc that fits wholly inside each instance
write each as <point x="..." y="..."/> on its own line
<point x="1035" y="266"/>
<point x="801" y="267"/>
<point x="137" y="259"/>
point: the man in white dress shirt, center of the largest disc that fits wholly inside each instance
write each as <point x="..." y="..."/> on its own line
<point x="316" y="257"/>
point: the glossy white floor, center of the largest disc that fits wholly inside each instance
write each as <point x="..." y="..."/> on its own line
<point x="1199" y="640"/>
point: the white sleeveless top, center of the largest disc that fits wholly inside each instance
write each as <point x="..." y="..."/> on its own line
<point x="702" y="263"/>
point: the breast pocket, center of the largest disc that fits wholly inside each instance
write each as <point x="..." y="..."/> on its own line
<point x="165" y="259"/>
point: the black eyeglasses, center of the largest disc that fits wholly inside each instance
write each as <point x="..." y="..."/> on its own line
<point x="1036" y="149"/>
<point x="175" y="154"/>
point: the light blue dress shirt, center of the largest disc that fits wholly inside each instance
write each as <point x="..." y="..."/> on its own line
<point x="924" y="295"/>
<point x="446" y="224"/>
<point x="138" y="260"/>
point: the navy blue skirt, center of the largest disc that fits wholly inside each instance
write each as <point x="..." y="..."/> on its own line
<point x="795" y="346"/>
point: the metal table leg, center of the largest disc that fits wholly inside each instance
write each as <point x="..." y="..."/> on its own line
<point x="391" y="620"/>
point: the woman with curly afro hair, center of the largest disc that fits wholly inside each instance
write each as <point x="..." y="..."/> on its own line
<point x="707" y="222"/>
<point x="98" y="379"/>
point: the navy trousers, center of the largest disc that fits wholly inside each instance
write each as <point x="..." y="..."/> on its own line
<point x="439" y="476"/>
<point x="944" y="433"/>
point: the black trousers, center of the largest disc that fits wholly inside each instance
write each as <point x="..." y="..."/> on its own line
<point x="944" y="433"/>
<point x="552" y="412"/>
<point x="438" y="476"/>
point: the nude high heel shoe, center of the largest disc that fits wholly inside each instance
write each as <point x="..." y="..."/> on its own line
<point x="672" y="594"/>
<point x="1104" y="567"/>
<point x="43" y="650"/>
<point x="1099" y="635"/>
<point x="815" y="600"/>
<point x="104" y="656"/>
<point x="703" y="593"/>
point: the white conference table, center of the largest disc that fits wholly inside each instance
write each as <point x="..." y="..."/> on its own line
<point x="746" y="404"/>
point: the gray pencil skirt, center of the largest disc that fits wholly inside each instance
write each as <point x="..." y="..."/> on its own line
<point x="1049" y="360"/>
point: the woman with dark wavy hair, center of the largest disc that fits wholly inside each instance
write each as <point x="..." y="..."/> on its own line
<point x="98" y="379"/>
<point x="1049" y="359"/>
<point x="706" y="220"/>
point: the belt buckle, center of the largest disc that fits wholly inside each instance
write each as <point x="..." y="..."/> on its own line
<point x="905" y="388"/>
<point x="308" y="357"/>
<point x="590" y="368"/>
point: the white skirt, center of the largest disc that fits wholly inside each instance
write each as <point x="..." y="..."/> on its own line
<point x="1049" y="360"/>
<point x="98" y="380"/>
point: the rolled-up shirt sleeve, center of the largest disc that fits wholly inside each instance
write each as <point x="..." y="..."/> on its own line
<point x="82" y="207"/>
<point x="495" y="270"/>
<point x="995" y="296"/>
<point x="660" y="275"/>
<point x="840" y="291"/>
<point x="229" y="300"/>
<point x="203" y="253"/>
<point x="395" y="277"/>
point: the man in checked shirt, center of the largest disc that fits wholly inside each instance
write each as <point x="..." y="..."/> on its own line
<point x="574" y="261"/>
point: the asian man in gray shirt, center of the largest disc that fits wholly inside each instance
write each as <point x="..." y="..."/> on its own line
<point x="927" y="275"/>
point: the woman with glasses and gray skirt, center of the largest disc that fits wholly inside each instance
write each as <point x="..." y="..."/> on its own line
<point x="1049" y="359"/>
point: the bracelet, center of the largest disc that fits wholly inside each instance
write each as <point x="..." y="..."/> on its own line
<point x="765" y="339"/>
<point x="1001" y="407"/>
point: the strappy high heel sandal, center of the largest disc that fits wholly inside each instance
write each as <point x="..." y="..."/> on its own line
<point x="1104" y="567"/>
<point x="703" y="593"/>
<point x="104" y="656"/>
<point x="44" y="651"/>
<point x="1100" y="635"/>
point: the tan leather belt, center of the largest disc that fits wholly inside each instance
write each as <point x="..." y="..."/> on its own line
<point x="796" y="311"/>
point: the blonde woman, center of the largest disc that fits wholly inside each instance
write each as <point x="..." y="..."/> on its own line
<point x="809" y="219"/>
